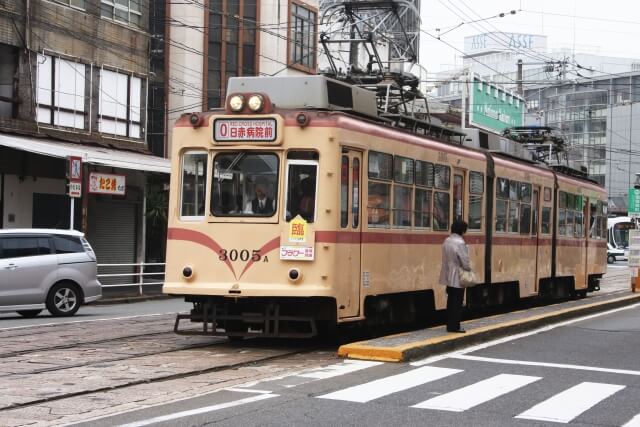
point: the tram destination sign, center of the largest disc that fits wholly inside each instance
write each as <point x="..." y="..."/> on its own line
<point x="245" y="130"/>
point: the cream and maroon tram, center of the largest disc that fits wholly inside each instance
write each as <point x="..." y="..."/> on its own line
<point x="296" y="208"/>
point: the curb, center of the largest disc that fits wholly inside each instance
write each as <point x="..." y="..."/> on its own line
<point x="450" y="342"/>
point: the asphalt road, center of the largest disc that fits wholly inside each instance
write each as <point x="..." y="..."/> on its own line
<point x="99" y="312"/>
<point x="581" y="372"/>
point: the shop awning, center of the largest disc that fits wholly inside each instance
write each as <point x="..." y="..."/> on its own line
<point x="93" y="155"/>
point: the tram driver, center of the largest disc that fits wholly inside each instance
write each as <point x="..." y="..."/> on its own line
<point x="262" y="204"/>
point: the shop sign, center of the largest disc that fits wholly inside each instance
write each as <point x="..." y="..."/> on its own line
<point x="105" y="183"/>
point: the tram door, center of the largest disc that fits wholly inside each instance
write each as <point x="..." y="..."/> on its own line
<point x="535" y="231"/>
<point x="348" y="247"/>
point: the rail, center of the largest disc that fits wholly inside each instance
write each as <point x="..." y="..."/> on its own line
<point x="137" y="277"/>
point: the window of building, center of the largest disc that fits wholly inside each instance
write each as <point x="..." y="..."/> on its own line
<point x="302" y="37"/>
<point x="124" y="11"/>
<point x="231" y="31"/>
<point x="60" y="95"/>
<point x="194" y="184"/>
<point x="80" y="4"/>
<point x="119" y="104"/>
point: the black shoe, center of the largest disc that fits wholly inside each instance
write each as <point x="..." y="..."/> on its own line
<point x="460" y="330"/>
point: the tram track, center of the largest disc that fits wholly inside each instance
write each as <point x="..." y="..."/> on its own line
<point x="158" y="379"/>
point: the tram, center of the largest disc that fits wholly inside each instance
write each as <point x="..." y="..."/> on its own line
<point x="618" y="238"/>
<point x="297" y="207"/>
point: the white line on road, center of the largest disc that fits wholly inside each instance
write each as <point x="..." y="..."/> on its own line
<point x="565" y="406"/>
<point x="337" y="369"/>
<point x="198" y="411"/>
<point x="475" y="394"/>
<point x="89" y="320"/>
<point x="503" y="340"/>
<point x="374" y="389"/>
<point x="547" y="365"/>
<point x="633" y="422"/>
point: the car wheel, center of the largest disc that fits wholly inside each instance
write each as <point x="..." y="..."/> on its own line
<point x="63" y="299"/>
<point x="611" y="259"/>
<point x="29" y="313"/>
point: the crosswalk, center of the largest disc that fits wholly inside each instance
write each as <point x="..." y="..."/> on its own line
<point x="563" y="407"/>
<point x="560" y="408"/>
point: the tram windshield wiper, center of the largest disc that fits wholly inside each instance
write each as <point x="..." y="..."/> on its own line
<point x="235" y="161"/>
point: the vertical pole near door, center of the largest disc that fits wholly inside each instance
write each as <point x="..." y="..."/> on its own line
<point x="73" y="199"/>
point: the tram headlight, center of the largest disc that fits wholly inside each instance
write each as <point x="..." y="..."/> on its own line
<point x="236" y="103"/>
<point x="255" y="103"/>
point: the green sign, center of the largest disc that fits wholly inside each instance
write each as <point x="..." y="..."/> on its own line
<point x="634" y="202"/>
<point x="493" y="108"/>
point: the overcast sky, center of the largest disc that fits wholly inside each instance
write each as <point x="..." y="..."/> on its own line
<point x="610" y="28"/>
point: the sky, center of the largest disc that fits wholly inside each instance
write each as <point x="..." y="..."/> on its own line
<point x="610" y="28"/>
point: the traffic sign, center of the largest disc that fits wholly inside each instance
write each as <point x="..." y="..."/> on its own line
<point x="75" y="189"/>
<point x="634" y="202"/>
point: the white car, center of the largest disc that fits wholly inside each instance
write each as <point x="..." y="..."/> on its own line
<point x="614" y="254"/>
<point x="43" y="268"/>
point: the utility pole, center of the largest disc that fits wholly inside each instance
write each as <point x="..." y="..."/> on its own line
<point x="519" y="78"/>
<point x="463" y="119"/>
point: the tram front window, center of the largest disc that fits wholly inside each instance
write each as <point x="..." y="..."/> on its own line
<point x="244" y="184"/>
<point x="621" y="234"/>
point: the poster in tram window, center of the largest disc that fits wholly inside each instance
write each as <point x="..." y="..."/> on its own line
<point x="106" y="183"/>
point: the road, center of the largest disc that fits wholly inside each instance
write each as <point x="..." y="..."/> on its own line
<point x="582" y="372"/>
<point x="119" y="364"/>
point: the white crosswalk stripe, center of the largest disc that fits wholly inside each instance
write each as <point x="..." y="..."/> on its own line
<point x="633" y="422"/>
<point x="475" y="394"/>
<point x="393" y="384"/>
<point x="565" y="406"/>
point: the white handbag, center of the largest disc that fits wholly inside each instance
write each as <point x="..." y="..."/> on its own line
<point x="467" y="278"/>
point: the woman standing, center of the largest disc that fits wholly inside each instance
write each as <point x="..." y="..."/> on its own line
<point x="455" y="256"/>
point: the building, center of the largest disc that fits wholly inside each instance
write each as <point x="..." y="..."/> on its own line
<point x="74" y="81"/>
<point x="213" y="40"/>
<point x="589" y="98"/>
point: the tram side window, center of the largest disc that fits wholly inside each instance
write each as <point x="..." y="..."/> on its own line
<point x="545" y="220"/>
<point x="441" y="211"/>
<point x="194" y="183"/>
<point x="502" y="203"/>
<point x="579" y="207"/>
<point x="525" y="207"/>
<point x="403" y="174"/>
<point x="380" y="168"/>
<point x="344" y="192"/>
<point x="593" y="227"/>
<point x="245" y="184"/>
<point x="301" y="189"/>
<point x="424" y="176"/>
<point x="476" y="190"/>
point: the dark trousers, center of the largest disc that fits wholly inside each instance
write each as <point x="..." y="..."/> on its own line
<point x="454" y="307"/>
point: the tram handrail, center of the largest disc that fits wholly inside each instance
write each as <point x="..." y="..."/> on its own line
<point x="138" y="276"/>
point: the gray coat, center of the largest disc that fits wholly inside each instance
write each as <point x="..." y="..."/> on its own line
<point x="454" y="256"/>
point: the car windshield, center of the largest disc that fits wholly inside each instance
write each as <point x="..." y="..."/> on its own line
<point x="245" y="184"/>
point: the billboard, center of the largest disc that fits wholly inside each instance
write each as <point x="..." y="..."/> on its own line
<point x="493" y="108"/>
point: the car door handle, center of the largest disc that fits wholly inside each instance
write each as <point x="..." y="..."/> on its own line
<point x="11" y="267"/>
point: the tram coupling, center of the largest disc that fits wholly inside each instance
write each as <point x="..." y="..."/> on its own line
<point x="222" y="317"/>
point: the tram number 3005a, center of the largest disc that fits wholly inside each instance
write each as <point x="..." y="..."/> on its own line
<point x="242" y="255"/>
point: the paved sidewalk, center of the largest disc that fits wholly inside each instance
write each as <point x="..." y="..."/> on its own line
<point x="427" y="342"/>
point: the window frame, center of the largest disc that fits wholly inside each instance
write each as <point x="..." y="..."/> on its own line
<point x="293" y="162"/>
<point x="183" y="155"/>
<point x="291" y="39"/>
<point x="115" y="5"/>
<point x="129" y="122"/>
<point x="52" y="104"/>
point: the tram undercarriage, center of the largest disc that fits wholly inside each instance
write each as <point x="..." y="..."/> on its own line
<point x="237" y="318"/>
